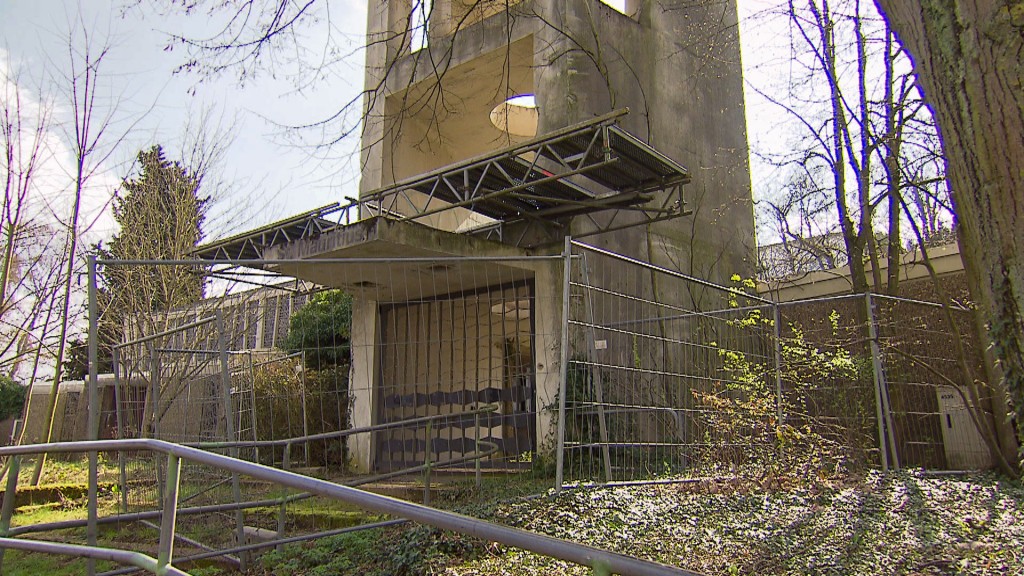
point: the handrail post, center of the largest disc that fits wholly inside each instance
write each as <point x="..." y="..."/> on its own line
<point x="170" y="513"/>
<point x="282" y="510"/>
<point x="10" y="493"/>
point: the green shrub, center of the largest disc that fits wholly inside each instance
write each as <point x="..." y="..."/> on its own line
<point x="12" y="397"/>
<point x="322" y="329"/>
<point x="279" y="392"/>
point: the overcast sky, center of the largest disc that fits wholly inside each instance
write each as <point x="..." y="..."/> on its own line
<point x="271" y="178"/>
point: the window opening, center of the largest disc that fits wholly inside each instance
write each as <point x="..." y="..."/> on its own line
<point x="617" y="5"/>
<point x="419" y="22"/>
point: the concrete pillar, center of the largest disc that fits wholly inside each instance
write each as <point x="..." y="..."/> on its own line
<point x="363" y="381"/>
<point x="547" y="354"/>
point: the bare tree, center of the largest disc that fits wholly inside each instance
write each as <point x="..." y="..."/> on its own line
<point x="162" y="207"/>
<point x="23" y="151"/>
<point x="29" y="278"/>
<point x="864" y="132"/>
<point x="92" y="143"/>
<point x="907" y="184"/>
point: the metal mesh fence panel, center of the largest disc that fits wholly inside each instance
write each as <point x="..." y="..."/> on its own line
<point x="392" y="340"/>
<point x="665" y="373"/>
<point x="670" y="375"/>
<point x="826" y="377"/>
<point x="929" y="390"/>
<point x="879" y="380"/>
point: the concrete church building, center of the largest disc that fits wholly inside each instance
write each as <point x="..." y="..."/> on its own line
<point x="455" y="163"/>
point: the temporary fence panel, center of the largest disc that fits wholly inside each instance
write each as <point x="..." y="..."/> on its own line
<point x="670" y="375"/>
<point x="665" y="374"/>
<point x="931" y="393"/>
<point x="827" y="378"/>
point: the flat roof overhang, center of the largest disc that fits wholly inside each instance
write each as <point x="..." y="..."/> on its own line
<point x="391" y="261"/>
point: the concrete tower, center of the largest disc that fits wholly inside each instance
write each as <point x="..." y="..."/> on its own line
<point x="438" y="73"/>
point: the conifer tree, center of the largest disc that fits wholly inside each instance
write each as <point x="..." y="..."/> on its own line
<point x="160" y="214"/>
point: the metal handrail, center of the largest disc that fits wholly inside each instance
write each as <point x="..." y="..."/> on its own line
<point x="136" y="559"/>
<point x="490" y="449"/>
<point x="545" y="545"/>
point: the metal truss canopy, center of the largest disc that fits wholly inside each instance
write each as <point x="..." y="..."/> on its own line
<point x="584" y="169"/>
<point x="594" y="169"/>
<point x="250" y="245"/>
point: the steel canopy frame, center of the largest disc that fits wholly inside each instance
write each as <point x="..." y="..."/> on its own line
<point x="589" y="167"/>
<point x="593" y="169"/>
<point x="250" y="245"/>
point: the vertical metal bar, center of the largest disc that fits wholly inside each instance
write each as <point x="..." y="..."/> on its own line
<point x="476" y="447"/>
<point x="428" y="458"/>
<point x="883" y="386"/>
<point x="122" y="463"/>
<point x="229" y="429"/>
<point x="170" y="513"/>
<point x="887" y="407"/>
<point x="598" y="380"/>
<point x="777" y="321"/>
<point x="252" y="412"/>
<point x="564" y="352"/>
<point x="94" y="409"/>
<point x="148" y="426"/>
<point x="252" y="381"/>
<point x="305" y="419"/>
<point x="876" y="368"/>
<point x="154" y="377"/>
<point x="10" y="494"/>
<point x="282" y="511"/>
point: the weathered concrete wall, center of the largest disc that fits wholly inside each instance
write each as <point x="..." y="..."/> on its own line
<point x="363" y="380"/>
<point x="677" y="67"/>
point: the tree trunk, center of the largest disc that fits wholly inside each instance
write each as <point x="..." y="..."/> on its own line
<point x="967" y="54"/>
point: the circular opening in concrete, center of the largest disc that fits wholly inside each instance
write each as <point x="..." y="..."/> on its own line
<point x="518" y="116"/>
